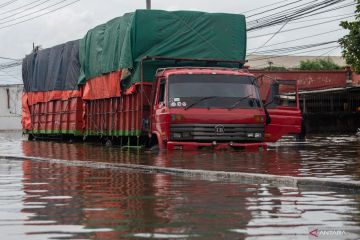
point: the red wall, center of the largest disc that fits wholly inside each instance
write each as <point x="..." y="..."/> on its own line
<point x="310" y="80"/>
<point x="356" y="79"/>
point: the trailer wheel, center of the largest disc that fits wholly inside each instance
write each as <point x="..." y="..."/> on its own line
<point x="108" y="143"/>
<point x="31" y="137"/>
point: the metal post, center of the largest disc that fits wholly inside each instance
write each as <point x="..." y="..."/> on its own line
<point x="148" y="4"/>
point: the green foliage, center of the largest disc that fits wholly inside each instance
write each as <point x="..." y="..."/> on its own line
<point x="318" y="65"/>
<point x="351" y="43"/>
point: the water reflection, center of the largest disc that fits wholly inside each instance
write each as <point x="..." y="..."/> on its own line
<point x="320" y="156"/>
<point x="49" y="200"/>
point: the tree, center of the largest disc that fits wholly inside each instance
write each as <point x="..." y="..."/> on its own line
<point x="318" y="65"/>
<point x="351" y="43"/>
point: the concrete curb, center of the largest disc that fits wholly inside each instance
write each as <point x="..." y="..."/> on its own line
<point x="209" y="175"/>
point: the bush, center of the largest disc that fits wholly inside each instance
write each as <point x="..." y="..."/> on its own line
<point x="318" y="65"/>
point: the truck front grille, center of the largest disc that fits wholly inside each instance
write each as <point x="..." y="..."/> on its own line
<point x="217" y="132"/>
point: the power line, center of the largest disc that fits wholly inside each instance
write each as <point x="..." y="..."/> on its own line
<point x="11" y="65"/>
<point x="297" y="28"/>
<point x="254" y="9"/>
<point x="329" y="51"/>
<point x="270" y="38"/>
<point x="294" y="54"/>
<point x="7" y="3"/>
<point x="14" y="9"/>
<point x="26" y="15"/>
<point x="29" y="19"/>
<point x="256" y="28"/>
<point x="293" y="48"/>
<point x="24" y="10"/>
<point x="294" y="13"/>
<point x="11" y="75"/>
<point x="297" y="39"/>
<point x="7" y="58"/>
<point x="269" y="10"/>
<point x="315" y="19"/>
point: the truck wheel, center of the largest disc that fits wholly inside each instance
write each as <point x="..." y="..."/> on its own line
<point x="302" y="135"/>
<point x="155" y="148"/>
<point x="153" y="144"/>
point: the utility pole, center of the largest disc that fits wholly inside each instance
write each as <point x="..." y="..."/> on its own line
<point x="148" y="4"/>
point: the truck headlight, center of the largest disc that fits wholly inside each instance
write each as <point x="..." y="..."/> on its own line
<point x="259" y="119"/>
<point x="258" y="135"/>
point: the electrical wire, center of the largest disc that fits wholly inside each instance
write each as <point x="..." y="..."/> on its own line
<point x="297" y="39"/>
<point x="301" y="11"/>
<point x="315" y="19"/>
<point x="269" y="39"/>
<point x="7" y="3"/>
<point x="294" y="54"/>
<point x="259" y="27"/>
<point x="254" y="9"/>
<point x="7" y="58"/>
<point x="297" y="28"/>
<point x="42" y="9"/>
<point x="29" y="19"/>
<point x="326" y="53"/>
<point x="294" y="48"/>
<point x="269" y="10"/>
<point x="24" y="10"/>
<point x="14" y="9"/>
<point x="13" y="76"/>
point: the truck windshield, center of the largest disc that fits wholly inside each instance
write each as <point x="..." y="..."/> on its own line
<point x="213" y="91"/>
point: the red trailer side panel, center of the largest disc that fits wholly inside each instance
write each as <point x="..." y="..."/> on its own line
<point x="53" y="112"/>
<point x="119" y="116"/>
<point x="355" y="79"/>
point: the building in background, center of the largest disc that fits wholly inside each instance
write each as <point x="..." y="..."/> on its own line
<point x="10" y="107"/>
<point x="286" y="61"/>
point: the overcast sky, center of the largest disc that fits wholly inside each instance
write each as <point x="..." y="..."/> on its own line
<point x="72" y="22"/>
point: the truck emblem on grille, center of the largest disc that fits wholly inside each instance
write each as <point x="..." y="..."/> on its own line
<point x="219" y="129"/>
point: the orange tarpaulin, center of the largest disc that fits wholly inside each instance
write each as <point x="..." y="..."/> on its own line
<point x="25" y="120"/>
<point x="37" y="97"/>
<point x="106" y="86"/>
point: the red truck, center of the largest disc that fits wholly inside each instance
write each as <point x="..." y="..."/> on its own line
<point x="207" y="107"/>
<point x="113" y="85"/>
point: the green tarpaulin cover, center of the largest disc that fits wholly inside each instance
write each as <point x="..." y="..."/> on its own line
<point x="123" y="42"/>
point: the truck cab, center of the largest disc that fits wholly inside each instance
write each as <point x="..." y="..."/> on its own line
<point x="207" y="108"/>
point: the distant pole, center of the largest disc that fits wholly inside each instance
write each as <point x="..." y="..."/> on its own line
<point x="270" y="64"/>
<point x="148" y="4"/>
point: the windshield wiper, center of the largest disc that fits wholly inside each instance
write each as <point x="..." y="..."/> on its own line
<point x="238" y="102"/>
<point x="199" y="101"/>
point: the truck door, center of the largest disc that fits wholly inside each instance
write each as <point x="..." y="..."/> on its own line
<point x="159" y="111"/>
<point x="282" y="105"/>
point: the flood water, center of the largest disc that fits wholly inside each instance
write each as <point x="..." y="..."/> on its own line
<point x="46" y="200"/>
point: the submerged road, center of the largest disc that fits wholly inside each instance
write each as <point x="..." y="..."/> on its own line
<point x="63" y="190"/>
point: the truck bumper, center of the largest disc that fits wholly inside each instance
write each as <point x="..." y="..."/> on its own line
<point x="218" y="146"/>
